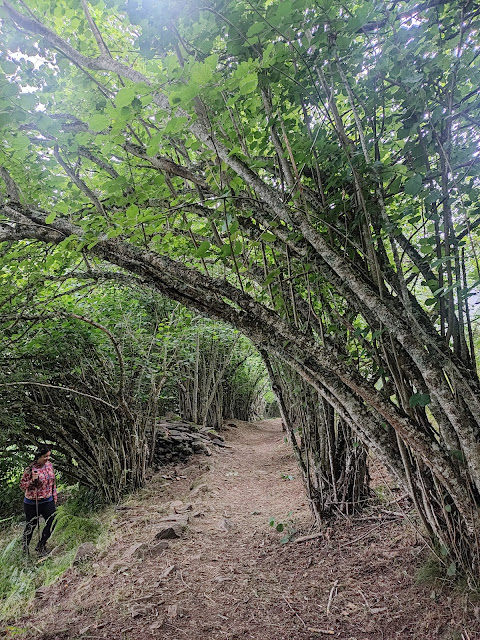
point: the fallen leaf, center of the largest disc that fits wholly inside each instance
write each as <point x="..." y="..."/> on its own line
<point x="168" y="571"/>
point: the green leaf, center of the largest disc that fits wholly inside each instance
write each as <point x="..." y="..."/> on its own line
<point x="202" y="249"/>
<point x="268" y="237"/>
<point x="153" y="145"/>
<point x="114" y="232"/>
<point x="456" y="454"/>
<point x="8" y="67"/>
<point x="271" y="277"/>
<point x="132" y="211"/>
<point x="280" y="527"/>
<point x="212" y="61"/>
<point x="437" y="114"/>
<point x="452" y="569"/>
<point x="285" y="9"/>
<point x="248" y="84"/>
<point x="125" y="97"/>
<point x="21" y="142"/>
<point x="28" y="100"/>
<point x="175" y="125"/>
<point x="395" y="186"/>
<point x="184" y="95"/>
<point x="433" y="196"/>
<point x="256" y="28"/>
<point x="233" y="227"/>
<point x="414" y="185"/>
<point x="268" y="53"/>
<point x="98" y="122"/>
<point x="202" y="73"/>
<point x="419" y="400"/>
<point x="51" y="217"/>
<point x="142" y="88"/>
<point x="10" y="90"/>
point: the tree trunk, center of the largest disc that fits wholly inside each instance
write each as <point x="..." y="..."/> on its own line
<point x="332" y="460"/>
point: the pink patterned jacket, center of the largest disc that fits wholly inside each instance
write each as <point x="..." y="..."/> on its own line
<point x="42" y="488"/>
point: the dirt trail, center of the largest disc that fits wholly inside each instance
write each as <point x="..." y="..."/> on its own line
<point x="229" y="577"/>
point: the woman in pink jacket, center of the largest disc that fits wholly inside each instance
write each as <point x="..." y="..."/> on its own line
<point x="38" y="483"/>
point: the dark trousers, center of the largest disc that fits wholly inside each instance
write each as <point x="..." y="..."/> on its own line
<point x="45" y="509"/>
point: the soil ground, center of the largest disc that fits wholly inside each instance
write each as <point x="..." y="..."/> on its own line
<point x="230" y="578"/>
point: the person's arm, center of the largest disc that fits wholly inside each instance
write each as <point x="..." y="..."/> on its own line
<point x="28" y="481"/>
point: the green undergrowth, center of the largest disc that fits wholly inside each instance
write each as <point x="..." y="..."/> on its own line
<point x="21" y="576"/>
<point x="441" y="575"/>
<point x="431" y="571"/>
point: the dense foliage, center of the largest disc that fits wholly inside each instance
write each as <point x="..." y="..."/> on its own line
<point x="305" y="171"/>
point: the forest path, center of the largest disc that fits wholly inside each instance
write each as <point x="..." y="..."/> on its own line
<point x="229" y="577"/>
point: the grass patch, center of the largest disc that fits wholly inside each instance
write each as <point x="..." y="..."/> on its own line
<point x="21" y="576"/>
<point x="382" y="493"/>
<point x="432" y="570"/>
<point x="72" y="530"/>
<point x="441" y="574"/>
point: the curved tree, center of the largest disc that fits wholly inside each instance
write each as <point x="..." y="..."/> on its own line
<point x="304" y="171"/>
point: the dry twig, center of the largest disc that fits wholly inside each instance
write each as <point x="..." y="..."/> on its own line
<point x="330" y="597"/>
<point x="311" y="537"/>
<point x="301" y="620"/>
